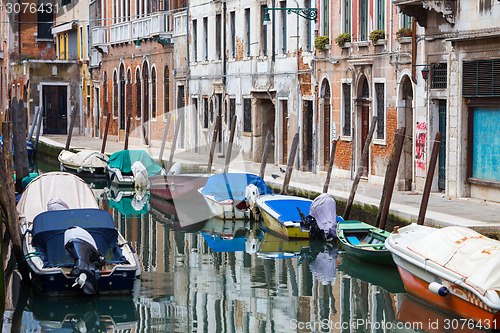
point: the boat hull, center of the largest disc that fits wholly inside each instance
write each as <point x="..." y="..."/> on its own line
<point x="459" y="301"/>
<point x="176" y="186"/>
<point x="96" y="172"/>
<point x="276" y="226"/>
<point x="225" y="209"/>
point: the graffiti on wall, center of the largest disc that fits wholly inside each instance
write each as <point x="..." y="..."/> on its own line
<point x="420" y="135"/>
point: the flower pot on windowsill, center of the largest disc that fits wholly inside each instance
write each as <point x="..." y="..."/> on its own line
<point x="380" y="42"/>
<point x="346" y="45"/>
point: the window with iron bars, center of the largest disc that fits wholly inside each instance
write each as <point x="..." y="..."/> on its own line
<point x="439" y="76"/>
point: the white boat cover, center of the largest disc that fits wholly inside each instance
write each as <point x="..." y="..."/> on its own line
<point x="66" y="186"/>
<point x="85" y="158"/>
<point x="465" y="252"/>
<point x="324" y="210"/>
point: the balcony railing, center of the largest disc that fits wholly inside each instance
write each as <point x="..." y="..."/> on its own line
<point x="159" y="24"/>
<point x="95" y="59"/>
<point x="120" y="32"/>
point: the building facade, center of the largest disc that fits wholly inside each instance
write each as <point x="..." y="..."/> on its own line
<point x="458" y="42"/>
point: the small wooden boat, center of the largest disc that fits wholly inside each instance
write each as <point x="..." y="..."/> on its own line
<point x="170" y="187"/>
<point x="87" y="163"/>
<point x="70" y="245"/>
<point x="281" y="214"/>
<point x="226" y="196"/>
<point x="364" y="241"/>
<point x="132" y="168"/>
<point x="453" y="268"/>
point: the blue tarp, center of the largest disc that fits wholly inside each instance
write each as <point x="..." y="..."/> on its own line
<point x="124" y="159"/>
<point x="225" y="186"/>
<point x="287" y="209"/>
<point x="218" y="244"/>
<point x="49" y="227"/>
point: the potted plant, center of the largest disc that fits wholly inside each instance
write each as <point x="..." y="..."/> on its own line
<point x="320" y="42"/>
<point x="343" y="38"/>
<point x="403" y="32"/>
<point x="376" y="35"/>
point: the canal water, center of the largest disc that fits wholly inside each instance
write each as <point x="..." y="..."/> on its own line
<point x="227" y="276"/>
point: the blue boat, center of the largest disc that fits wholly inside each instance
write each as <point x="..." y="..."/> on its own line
<point x="71" y="246"/>
<point x="29" y="147"/>
<point x="226" y="196"/>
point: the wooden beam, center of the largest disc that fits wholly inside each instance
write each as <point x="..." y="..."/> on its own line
<point x="361" y="168"/>
<point x="230" y="146"/>
<point x="267" y="146"/>
<point x="390" y="178"/>
<point x="21" y="151"/>
<point x="164" y="141"/>
<point x="105" y="138"/>
<point x="330" y="166"/>
<point x="428" y="179"/>
<point x="71" y="125"/>
<point x="214" y="141"/>
<point x="289" y="166"/>
<point x="174" y="143"/>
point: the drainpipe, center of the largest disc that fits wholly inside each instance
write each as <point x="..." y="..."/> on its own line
<point x="353" y="128"/>
<point x="224" y="56"/>
<point x="299" y="110"/>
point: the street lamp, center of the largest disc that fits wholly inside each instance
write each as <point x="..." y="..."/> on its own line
<point x="307" y="13"/>
<point x="425" y="71"/>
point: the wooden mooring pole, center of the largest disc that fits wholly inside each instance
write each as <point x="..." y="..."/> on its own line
<point x="38" y="129"/>
<point x="230" y="146"/>
<point x="390" y="178"/>
<point x="108" y="117"/>
<point x="428" y="179"/>
<point x="174" y="144"/>
<point x="214" y="141"/>
<point x="127" y="131"/>
<point x="361" y="168"/>
<point x="164" y="141"/>
<point x="330" y="166"/>
<point x="33" y="124"/>
<point x="289" y="166"/>
<point x="8" y="198"/>
<point x="263" y="163"/>
<point x="71" y="125"/>
<point x="21" y="151"/>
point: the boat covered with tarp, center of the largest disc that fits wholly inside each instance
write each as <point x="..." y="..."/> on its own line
<point x="86" y="163"/>
<point x="70" y="245"/>
<point x="132" y="168"/>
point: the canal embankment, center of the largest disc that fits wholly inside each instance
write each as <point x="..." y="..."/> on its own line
<point x="442" y="210"/>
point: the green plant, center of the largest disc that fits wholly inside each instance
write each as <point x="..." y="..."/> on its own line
<point x="342" y="39"/>
<point x="321" y="41"/>
<point x="403" y="32"/>
<point x="375" y="35"/>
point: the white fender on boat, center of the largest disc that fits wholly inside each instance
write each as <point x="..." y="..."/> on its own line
<point x="438" y="289"/>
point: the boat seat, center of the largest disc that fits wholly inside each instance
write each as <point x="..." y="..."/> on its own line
<point x="353" y="240"/>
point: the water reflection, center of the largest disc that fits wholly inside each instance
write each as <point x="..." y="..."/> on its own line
<point x="232" y="276"/>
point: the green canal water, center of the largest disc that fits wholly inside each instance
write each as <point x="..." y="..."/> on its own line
<point x="226" y="276"/>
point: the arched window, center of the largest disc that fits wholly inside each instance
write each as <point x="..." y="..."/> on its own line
<point x="115" y="95"/>
<point x="138" y="101"/>
<point x="166" y="91"/>
<point x="153" y="92"/>
<point x="105" y="93"/>
<point x="121" y="103"/>
<point x="145" y="92"/>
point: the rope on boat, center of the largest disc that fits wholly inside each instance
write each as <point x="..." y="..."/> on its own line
<point x="28" y="255"/>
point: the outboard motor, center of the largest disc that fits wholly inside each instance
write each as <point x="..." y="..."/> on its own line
<point x="322" y="219"/>
<point x="141" y="176"/>
<point x="81" y="246"/>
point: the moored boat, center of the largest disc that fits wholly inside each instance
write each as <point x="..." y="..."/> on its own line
<point x="87" y="163"/>
<point x="364" y="241"/>
<point x="226" y="195"/>
<point x="453" y="268"/>
<point x="171" y="187"/>
<point x="132" y="168"/>
<point x="70" y="245"/>
<point x="281" y="215"/>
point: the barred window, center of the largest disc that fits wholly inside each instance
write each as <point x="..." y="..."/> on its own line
<point x="247" y="115"/>
<point x="346" y="90"/>
<point x="205" y="112"/>
<point x="379" y="91"/>
<point x="439" y="76"/>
